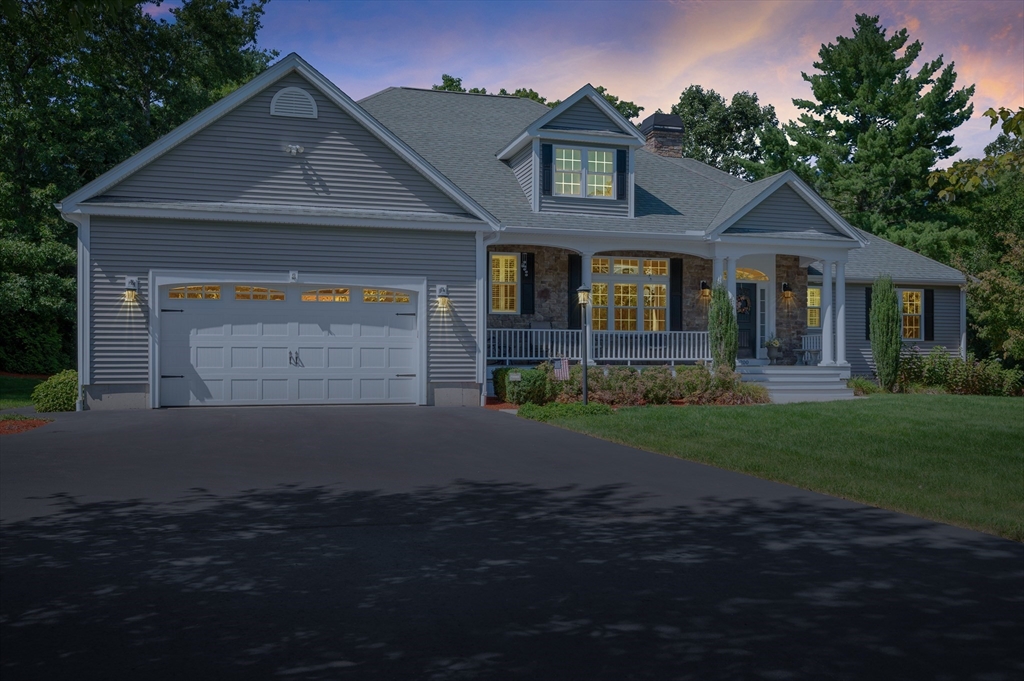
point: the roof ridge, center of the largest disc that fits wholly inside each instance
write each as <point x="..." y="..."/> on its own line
<point x="454" y="92"/>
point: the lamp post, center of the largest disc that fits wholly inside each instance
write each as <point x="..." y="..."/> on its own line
<point x="583" y="296"/>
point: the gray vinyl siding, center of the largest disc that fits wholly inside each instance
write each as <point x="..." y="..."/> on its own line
<point x="242" y="158"/>
<point x="858" y="349"/>
<point x="572" y="204"/>
<point x="522" y="166"/>
<point x="120" y="332"/>
<point x="784" y="211"/>
<point x="583" y="115"/>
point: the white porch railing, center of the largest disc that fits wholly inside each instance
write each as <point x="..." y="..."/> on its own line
<point x="613" y="346"/>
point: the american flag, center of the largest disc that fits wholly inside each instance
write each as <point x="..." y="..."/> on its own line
<point x="562" y="369"/>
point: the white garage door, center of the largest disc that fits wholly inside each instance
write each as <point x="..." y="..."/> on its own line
<point x="249" y="344"/>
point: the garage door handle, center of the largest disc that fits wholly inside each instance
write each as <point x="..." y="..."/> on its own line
<point x="405" y="375"/>
<point x="162" y="310"/>
<point x="162" y="376"/>
<point x="406" y="314"/>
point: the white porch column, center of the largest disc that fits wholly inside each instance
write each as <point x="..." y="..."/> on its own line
<point x="587" y="280"/>
<point x="841" y="314"/>
<point x="730" y="276"/>
<point x="827" y="356"/>
<point x="717" y="271"/>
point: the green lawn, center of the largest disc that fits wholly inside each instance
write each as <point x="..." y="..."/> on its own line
<point x="16" y="392"/>
<point x="951" y="458"/>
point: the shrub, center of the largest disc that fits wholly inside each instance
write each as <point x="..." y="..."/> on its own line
<point x="698" y="386"/>
<point x="692" y="381"/>
<point x="556" y="410"/>
<point x="886" y="332"/>
<point x="57" y="393"/>
<point x="498" y="378"/>
<point x="658" y="385"/>
<point x="863" y="386"/>
<point x="939" y="369"/>
<point x="723" y="333"/>
<point x="533" y="386"/>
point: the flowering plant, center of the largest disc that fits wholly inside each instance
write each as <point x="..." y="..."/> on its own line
<point x="772" y="342"/>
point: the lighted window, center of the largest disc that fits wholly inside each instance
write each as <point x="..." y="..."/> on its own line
<point x="257" y="293"/>
<point x="813" y="307"/>
<point x="600" y="166"/>
<point x="626" y="266"/>
<point x="195" y="292"/>
<point x="625" y="319"/>
<point x="593" y="169"/>
<point x="568" y="172"/>
<point x="326" y="295"/>
<point x="383" y="295"/>
<point x="654" y="307"/>
<point x="599" y="265"/>
<point x="505" y="283"/>
<point x="656" y="268"/>
<point x="625" y="299"/>
<point x="750" y="274"/>
<point x="911" y="308"/>
<point x="599" y="306"/>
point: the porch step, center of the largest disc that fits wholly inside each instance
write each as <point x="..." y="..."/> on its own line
<point x="788" y="384"/>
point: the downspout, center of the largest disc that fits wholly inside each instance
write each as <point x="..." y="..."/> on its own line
<point x="482" y="242"/>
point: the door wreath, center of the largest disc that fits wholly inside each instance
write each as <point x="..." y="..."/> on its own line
<point x="742" y="305"/>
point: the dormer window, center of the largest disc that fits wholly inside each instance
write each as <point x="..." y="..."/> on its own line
<point x="578" y="168"/>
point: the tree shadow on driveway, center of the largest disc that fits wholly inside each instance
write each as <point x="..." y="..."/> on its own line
<point x="478" y="580"/>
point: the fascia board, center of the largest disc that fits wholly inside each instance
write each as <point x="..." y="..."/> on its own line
<point x="398" y="222"/>
<point x="513" y="147"/>
<point x="182" y="132"/>
<point x="689" y="235"/>
<point x="584" y="138"/>
<point x="788" y="242"/>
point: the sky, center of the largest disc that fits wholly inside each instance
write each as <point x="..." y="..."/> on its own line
<point x="644" y="51"/>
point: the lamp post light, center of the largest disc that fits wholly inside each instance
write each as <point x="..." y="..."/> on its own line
<point x="583" y="296"/>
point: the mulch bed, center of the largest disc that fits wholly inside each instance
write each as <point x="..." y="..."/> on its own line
<point x="496" y="405"/>
<point x="20" y="425"/>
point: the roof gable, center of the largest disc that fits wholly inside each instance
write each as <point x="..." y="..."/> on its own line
<point x="342" y="143"/>
<point x="784" y="213"/>
<point x="583" y="115"/>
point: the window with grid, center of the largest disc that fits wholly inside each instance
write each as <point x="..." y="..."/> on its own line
<point x="504" y="283"/>
<point x="599" y="265"/>
<point x="625" y="307"/>
<point x="383" y="295"/>
<point x="326" y="295"/>
<point x="195" y="292"/>
<point x="655" y="296"/>
<point x="257" y="293"/>
<point x="586" y="173"/>
<point x="599" y="306"/>
<point x="911" y="308"/>
<point x="813" y="307"/>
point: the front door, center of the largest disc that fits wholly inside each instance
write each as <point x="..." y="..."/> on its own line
<point x="746" y="320"/>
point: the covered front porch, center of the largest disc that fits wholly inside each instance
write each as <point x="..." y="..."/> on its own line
<point x="650" y="306"/>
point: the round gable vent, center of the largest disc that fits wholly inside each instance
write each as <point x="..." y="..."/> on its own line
<point x="293" y="102"/>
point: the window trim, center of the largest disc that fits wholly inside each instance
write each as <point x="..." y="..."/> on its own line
<point x="491" y="282"/>
<point x="584" y="172"/>
<point x="919" y="315"/>
<point x="610" y="279"/>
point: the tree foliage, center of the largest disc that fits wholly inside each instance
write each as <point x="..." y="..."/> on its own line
<point x="723" y="330"/>
<point x="451" y="83"/>
<point x="73" y="104"/>
<point x="1004" y="155"/>
<point x="725" y="135"/>
<point x="886" y="332"/>
<point x="874" y="130"/>
<point x="997" y="298"/>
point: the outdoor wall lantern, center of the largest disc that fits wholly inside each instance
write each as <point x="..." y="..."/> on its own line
<point x="131" y="289"/>
<point x="705" y="290"/>
<point x="583" y="296"/>
<point x="443" y="301"/>
<point x="787" y="292"/>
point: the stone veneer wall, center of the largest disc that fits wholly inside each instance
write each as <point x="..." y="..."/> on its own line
<point x="551" y="291"/>
<point x="790" y="316"/>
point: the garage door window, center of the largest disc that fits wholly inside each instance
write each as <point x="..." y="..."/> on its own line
<point x="194" y="292"/>
<point x="380" y="295"/>
<point x="326" y="295"/>
<point x="257" y="293"/>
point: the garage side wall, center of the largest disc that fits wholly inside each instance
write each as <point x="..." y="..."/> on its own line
<point x="119" y="331"/>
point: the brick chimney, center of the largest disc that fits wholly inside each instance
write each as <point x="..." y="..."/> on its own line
<point x="664" y="134"/>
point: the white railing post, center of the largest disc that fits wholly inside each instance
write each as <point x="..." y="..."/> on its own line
<point x="827" y="358"/>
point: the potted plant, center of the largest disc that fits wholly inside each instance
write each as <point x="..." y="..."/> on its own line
<point x="774" y="346"/>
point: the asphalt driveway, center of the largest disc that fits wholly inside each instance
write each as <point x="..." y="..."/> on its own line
<point x="436" y="543"/>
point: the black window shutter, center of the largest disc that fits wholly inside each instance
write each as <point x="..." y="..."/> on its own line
<point x="929" y="314"/>
<point x="621" y="166"/>
<point x="867" y="313"/>
<point x="546" y="154"/>
<point x="575" y="281"/>
<point x="526" y="283"/>
<point x="675" y="294"/>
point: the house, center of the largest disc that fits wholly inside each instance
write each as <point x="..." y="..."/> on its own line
<point x="290" y="245"/>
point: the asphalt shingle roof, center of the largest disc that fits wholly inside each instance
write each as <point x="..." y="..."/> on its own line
<point x="460" y="135"/>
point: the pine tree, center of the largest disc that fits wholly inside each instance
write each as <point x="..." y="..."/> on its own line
<point x="723" y="332"/>
<point x="886" y="332"/>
